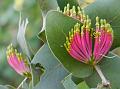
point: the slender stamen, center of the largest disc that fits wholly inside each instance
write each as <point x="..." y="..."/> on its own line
<point x="17" y="61"/>
<point x="74" y="12"/>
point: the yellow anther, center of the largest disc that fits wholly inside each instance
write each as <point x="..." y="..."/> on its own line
<point x="88" y="23"/>
<point x="108" y="26"/>
<point x="12" y="54"/>
<point x="97" y="34"/>
<point x="72" y="31"/>
<point x="109" y="31"/>
<point x="71" y="38"/>
<point x="79" y="10"/>
<point x="74" y="9"/>
<point x="82" y="30"/>
<point x="76" y="26"/>
<point x="104" y="22"/>
<point x="8" y="56"/>
<point x="68" y="7"/>
<point x="65" y="9"/>
<point x="11" y="50"/>
<point x="8" y="47"/>
<point x="97" y="21"/>
<point x="8" y="51"/>
<point x="69" y="33"/>
<point x="66" y="47"/>
<point x="87" y="26"/>
<point x="84" y="23"/>
<point x="77" y="29"/>
<point x="84" y="17"/>
<point x="15" y="50"/>
<point x="67" y="40"/>
<point x="87" y="17"/>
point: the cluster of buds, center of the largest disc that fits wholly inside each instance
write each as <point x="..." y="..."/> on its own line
<point x="18" y="62"/>
<point x="88" y="45"/>
<point x="76" y="13"/>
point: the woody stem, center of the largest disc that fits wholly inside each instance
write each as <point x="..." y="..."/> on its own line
<point x="105" y="82"/>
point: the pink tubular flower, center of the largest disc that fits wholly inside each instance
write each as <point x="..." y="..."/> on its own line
<point x="88" y="45"/>
<point x="18" y="62"/>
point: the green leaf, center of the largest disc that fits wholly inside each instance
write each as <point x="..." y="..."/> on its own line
<point x="63" y="3"/>
<point x="85" y="3"/>
<point x="68" y="83"/>
<point x="54" y="71"/>
<point x="25" y="86"/>
<point x="82" y="85"/>
<point x="111" y="69"/>
<point x="37" y="71"/>
<point x="10" y="87"/>
<point x="3" y="87"/>
<point x="116" y="51"/>
<point x="47" y="5"/>
<point x="42" y="36"/>
<point x="109" y="10"/>
<point x="76" y="80"/>
<point x="57" y="27"/>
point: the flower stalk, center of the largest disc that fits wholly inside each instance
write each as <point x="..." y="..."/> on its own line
<point x="105" y="82"/>
<point x="21" y="83"/>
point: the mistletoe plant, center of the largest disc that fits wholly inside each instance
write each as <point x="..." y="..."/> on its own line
<point x="76" y="51"/>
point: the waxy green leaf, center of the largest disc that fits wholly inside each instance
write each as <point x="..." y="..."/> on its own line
<point x="68" y="83"/>
<point x="54" y="71"/>
<point x="3" y="87"/>
<point x="57" y="28"/>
